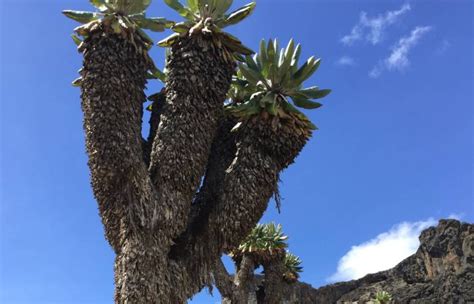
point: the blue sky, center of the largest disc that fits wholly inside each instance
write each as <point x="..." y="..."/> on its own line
<point x="393" y="154"/>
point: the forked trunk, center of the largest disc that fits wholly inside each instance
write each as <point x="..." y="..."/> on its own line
<point x="112" y="101"/>
<point x="242" y="176"/>
<point x="143" y="209"/>
<point x="198" y="81"/>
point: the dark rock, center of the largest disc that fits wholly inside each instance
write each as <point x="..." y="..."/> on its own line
<point x="441" y="271"/>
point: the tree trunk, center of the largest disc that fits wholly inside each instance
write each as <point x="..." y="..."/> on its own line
<point x="242" y="175"/>
<point x="243" y="280"/>
<point x="112" y="102"/>
<point x="274" y="283"/>
<point x="143" y="209"/>
<point x="140" y="272"/>
<point x="198" y="81"/>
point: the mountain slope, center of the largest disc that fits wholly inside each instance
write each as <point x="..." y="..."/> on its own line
<point x="441" y="271"/>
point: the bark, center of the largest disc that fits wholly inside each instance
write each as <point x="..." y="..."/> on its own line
<point x="247" y="287"/>
<point x="112" y="102"/>
<point x="144" y="210"/>
<point x="141" y="271"/>
<point x="222" y="154"/>
<point x="242" y="175"/>
<point x="223" y="281"/>
<point x="243" y="280"/>
<point x="274" y="283"/>
<point x="198" y="80"/>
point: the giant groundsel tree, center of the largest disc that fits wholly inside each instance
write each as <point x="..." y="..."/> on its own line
<point x="265" y="246"/>
<point x="221" y="131"/>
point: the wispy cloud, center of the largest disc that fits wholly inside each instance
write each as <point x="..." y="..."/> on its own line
<point x="345" y="61"/>
<point x="398" y="58"/>
<point x="376" y="70"/>
<point x="381" y="253"/>
<point x="443" y="47"/>
<point x="456" y="216"/>
<point x="372" y="29"/>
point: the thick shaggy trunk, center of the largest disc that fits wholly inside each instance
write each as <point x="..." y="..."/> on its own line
<point x="143" y="209"/>
<point x="133" y="199"/>
<point x="112" y="102"/>
<point x="140" y="272"/>
<point x="198" y="80"/>
<point x="243" y="280"/>
<point x="242" y="175"/>
<point x="274" y="283"/>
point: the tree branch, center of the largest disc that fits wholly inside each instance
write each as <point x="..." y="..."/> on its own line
<point x="199" y="78"/>
<point x="223" y="280"/>
<point x="243" y="280"/>
<point x="274" y="283"/>
<point x="222" y="154"/>
<point x="242" y="175"/>
<point x="112" y="101"/>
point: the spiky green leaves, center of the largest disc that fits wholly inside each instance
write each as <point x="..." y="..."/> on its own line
<point x="153" y="24"/>
<point x="208" y="17"/>
<point x="382" y="297"/>
<point x="264" y="239"/>
<point x="267" y="242"/>
<point x="123" y="7"/>
<point x="81" y="16"/>
<point x="237" y="15"/>
<point x="268" y="80"/>
<point x="200" y="10"/>
<point x="121" y="16"/>
<point x="293" y="267"/>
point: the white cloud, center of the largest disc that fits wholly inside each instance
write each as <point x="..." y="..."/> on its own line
<point x="398" y="58"/>
<point x="345" y="61"/>
<point x="376" y="71"/>
<point x="456" y="216"/>
<point x="356" y="34"/>
<point x="372" y="29"/>
<point x="381" y="253"/>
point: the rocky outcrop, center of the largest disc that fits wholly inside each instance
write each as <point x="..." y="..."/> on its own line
<point x="441" y="271"/>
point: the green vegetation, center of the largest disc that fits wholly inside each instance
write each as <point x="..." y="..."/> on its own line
<point x="266" y="243"/>
<point x="382" y="297"/>
<point x="124" y="17"/>
<point x="266" y="82"/>
<point x="209" y="17"/>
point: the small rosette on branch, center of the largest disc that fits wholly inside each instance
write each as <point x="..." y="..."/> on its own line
<point x="267" y="244"/>
<point x="293" y="267"/>
<point x="264" y="243"/>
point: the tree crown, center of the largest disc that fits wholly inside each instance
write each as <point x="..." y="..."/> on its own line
<point x="209" y="17"/>
<point x="125" y="17"/>
<point x="267" y="242"/>
<point x="266" y="81"/>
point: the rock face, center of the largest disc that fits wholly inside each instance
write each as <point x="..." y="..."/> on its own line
<point x="441" y="271"/>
